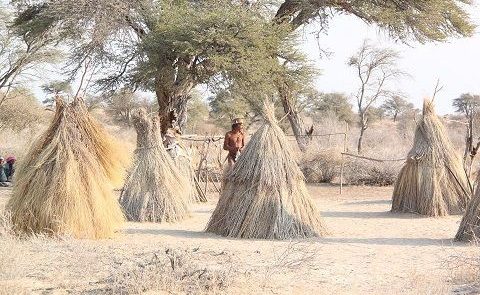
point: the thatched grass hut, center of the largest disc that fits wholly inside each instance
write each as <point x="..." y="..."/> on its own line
<point x="469" y="230"/>
<point x="155" y="189"/>
<point x="65" y="184"/>
<point x="432" y="182"/>
<point x="264" y="195"/>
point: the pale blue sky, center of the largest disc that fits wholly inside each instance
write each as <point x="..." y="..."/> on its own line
<point x="456" y="63"/>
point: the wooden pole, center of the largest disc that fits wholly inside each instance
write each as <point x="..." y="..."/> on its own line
<point x="343" y="157"/>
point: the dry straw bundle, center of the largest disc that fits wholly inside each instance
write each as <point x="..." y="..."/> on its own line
<point x="470" y="226"/>
<point x="432" y="182"/>
<point x="65" y="184"/>
<point x="264" y="195"/>
<point x="155" y="190"/>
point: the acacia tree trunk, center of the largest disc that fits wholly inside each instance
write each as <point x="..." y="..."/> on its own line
<point x="468" y="145"/>
<point x="172" y="101"/>
<point x="302" y="134"/>
<point x="363" y="127"/>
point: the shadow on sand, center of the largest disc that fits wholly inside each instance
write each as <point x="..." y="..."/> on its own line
<point x="363" y="214"/>
<point x="374" y="202"/>
<point x="417" y="242"/>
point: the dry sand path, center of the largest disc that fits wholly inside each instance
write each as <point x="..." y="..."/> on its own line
<point x="368" y="251"/>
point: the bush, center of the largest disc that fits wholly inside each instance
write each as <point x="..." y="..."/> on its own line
<point x="365" y="172"/>
<point x="21" y="111"/>
<point x="321" y="166"/>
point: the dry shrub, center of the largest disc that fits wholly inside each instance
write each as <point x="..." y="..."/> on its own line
<point x="65" y="184"/>
<point x="366" y="172"/>
<point x="321" y="166"/>
<point x="432" y="182"/>
<point x="20" y="111"/>
<point x="173" y="272"/>
<point x="465" y="272"/>
<point x="155" y="190"/>
<point x="264" y="195"/>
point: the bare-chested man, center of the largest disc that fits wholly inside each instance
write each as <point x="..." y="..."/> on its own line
<point x="234" y="141"/>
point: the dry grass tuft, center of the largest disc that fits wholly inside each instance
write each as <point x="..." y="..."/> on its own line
<point x="172" y="271"/>
<point x="264" y="195"/>
<point x="155" y="189"/>
<point x="65" y="184"/>
<point x="433" y="181"/>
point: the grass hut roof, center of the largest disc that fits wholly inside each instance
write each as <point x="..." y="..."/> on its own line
<point x="155" y="189"/>
<point x="264" y="195"/>
<point x="65" y="184"/>
<point x="432" y="182"/>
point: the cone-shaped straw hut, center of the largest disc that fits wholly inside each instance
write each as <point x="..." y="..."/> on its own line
<point x="432" y="182"/>
<point x="264" y="195"/>
<point x="65" y="184"/>
<point x="155" y="190"/>
<point x="469" y="229"/>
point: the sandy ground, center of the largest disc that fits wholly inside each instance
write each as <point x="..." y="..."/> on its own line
<point x="368" y="251"/>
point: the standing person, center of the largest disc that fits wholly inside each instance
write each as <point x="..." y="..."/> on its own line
<point x="234" y="141"/>
<point x="3" y="176"/>
<point x="10" y="167"/>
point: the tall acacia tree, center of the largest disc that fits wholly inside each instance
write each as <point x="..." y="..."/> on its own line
<point x="129" y="36"/>
<point x="375" y="68"/>
<point x="170" y="47"/>
<point x="404" y="20"/>
<point x="20" y="54"/>
<point x="468" y="105"/>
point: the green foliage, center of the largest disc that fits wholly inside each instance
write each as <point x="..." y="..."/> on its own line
<point x="421" y="20"/>
<point x="396" y="106"/>
<point x="320" y="104"/>
<point x="467" y="104"/>
<point x="213" y="42"/>
<point x="228" y="104"/>
<point x="55" y="88"/>
<point x="198" y="113"/>
<point x="20" y="52"/>
<point x="120" y="104"/>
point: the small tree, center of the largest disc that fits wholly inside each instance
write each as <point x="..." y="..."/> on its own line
<point x="376" y="68"/>
<point x="55" y="88"/>
<point x="468" y="105"/>
<point x="395" y="106"/>
<point x="120" y="104"/>
<point x="318" y="104"/>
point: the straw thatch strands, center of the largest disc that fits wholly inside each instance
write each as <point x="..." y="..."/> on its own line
<point x="433" y="181"/>
<point x="469" y="229"/>
<point x="264" y="195"/>
<point x="65" y="184"/>
<point x="155" y="190"/>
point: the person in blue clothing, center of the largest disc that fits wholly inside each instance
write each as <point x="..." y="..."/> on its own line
<point x="10" y="167"/>
<point x="3" y="175"/>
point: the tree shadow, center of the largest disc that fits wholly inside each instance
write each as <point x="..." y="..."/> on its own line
<point x="373" y="202"/>
<point x="394" y="241"/>
<point x="418" y="242"/>
<point x="363" y="214"/>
